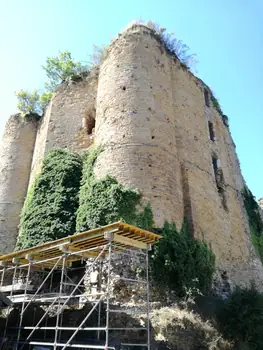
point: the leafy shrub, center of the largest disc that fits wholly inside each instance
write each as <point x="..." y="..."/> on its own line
<point x="28" y="102"/>
<point x="172" y="44"/>
<point x="44" y="99"/>
<point x="255" y="221"/>
<point x="32" y="102"/>
<point x="178" y="259"/>
<point x="253" y="211"/>
<point x="103" y="201"/>
<point x="216" y="104"/>
<point x="50" y="208"/>
<point x="61" y="68"/>
<point x="241" y="318"/>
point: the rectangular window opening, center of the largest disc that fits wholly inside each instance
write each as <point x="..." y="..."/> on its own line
<point x="211" y="131"/>
<point x="206" y="94"/>
<point x="215" y="165"/>
<point x="220" y="181"/>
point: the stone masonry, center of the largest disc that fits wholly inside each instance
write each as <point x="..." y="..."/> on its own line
<point x="15" y="161"/>
<point x="161" y="134"/>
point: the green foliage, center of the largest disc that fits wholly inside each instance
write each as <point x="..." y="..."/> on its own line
<point x="45" y="99"/>
<point x="61" y="68"/>
<point x="258" y="243"/>
<point x="177" y="260"/>
<point x="50" y="209"/>
<point x="255" y="221"/>
<point x="216" y="104"/>
<point x="172" y="44"/>
<point x="253" y="211"/>
<point x="241" y="318"/>
<point x="225" y="120"/>
<point x="28" y="102"/>
<point x="144" y="218"/>
<point x="32" y="102"/>
<point x="103" y="201"/>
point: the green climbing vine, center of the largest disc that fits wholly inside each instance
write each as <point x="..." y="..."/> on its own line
<point x="103" y="201"/>
<point x="218" y="108"/>
<point x="50" y="208"/>
<point x="178" y="261"/>
<point x="216" y="104"/>
<point x="67" y="197"/>
<point x="255" y="221"/>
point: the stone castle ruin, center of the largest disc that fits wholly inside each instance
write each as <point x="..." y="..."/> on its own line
<point x="162" y="134"/>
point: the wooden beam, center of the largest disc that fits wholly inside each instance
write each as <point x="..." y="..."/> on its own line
<point x="129" y="241"/>
<point x="86" y="239"/>
<point x="90" y="254"/>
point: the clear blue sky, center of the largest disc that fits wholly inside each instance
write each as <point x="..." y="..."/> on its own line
<point x="226" y="35"/>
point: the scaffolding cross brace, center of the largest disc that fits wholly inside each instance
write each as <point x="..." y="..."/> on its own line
<point x="113" y="246"/>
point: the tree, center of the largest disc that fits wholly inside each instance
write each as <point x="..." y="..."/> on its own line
<point x="45" y="99"/>
<point x="61" y="68"/>
<point x="28" y="102"/>
<point x="32" y="102"/>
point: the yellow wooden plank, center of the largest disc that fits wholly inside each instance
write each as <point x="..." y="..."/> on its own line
<point x="129" y="241"/>
<point x="87" y="240"/>
<point x="72" y="249"/>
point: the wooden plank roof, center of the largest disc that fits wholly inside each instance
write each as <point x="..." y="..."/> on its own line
<point x="124" y="236"/>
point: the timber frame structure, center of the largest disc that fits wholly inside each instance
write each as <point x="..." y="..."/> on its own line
<point x="106" y="244"/>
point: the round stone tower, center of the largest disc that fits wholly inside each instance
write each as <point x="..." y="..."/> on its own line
<point x="134" y="122"/>
<point x="16" y="152"/>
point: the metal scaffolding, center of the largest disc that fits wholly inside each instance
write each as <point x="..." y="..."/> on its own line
<point x="102" y="253"/>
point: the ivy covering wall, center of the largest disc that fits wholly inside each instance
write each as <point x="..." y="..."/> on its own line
<point x="179" y="262"/>
<point x="66" y="197"/>
<point x="50" y="208"/>
<point x="255" y="221"/>
<point x="103" y="201"/>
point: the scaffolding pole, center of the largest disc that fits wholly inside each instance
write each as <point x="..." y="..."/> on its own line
<point x="57" y="331"/>
<point x="23" y="303"/>
<point x="120" y="245"/>
<point x="108" y="297"/>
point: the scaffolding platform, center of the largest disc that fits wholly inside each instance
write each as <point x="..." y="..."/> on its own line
<point x="113" y="246"/>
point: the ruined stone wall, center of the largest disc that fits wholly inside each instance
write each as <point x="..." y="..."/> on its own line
<point x="216" y="204"/>
<point x="153" y="122"/>
<point x="66" y="123"/>
<point x="16" y="151"/>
